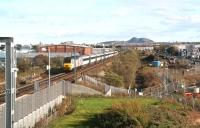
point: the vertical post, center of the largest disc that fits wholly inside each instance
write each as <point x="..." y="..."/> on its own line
<point x="103" y="51"/>
<point x="10" y="80"/>
<point x="8" y="86"/>
<point x="49" y="67"/>
<point x="75" y="63"/>
<point x="36" y="86"/>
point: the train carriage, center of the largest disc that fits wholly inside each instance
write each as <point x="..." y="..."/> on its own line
<point x="77" y="61"/>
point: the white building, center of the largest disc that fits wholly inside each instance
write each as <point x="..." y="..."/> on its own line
<point x="191" y="50"/>
<point x="180" y="47"/>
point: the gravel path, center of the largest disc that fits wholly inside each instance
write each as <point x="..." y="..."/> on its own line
<point x="82" y="90"/>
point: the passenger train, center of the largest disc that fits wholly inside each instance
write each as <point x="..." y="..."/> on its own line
<point x="78" y="61"/>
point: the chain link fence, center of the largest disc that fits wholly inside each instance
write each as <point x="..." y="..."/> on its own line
<point x="174" y="92"/>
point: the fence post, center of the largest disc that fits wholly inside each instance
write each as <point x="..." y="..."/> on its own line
<point x="36" y="86"/>
<point x="64" y="88"/>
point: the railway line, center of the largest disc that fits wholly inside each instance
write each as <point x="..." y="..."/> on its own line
<point x="28" y="89"/>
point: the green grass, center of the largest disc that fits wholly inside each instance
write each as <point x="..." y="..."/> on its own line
<point x="87" y="107"/>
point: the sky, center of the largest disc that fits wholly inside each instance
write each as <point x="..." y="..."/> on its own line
<point x="93" y="21"/>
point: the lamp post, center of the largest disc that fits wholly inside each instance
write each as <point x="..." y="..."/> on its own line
<point x="75" y="63"/>
<point x="48" y="66"/>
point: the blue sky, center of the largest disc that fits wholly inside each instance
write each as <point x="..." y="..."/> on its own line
<point x="92" y="21"/>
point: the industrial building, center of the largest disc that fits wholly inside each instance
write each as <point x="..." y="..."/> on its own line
<point x="67" y="48"/>
<point x="191" y="50"/>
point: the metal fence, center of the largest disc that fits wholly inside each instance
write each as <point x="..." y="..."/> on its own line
<point x="27" y="104"/>
<point x="174" y="92"/>
<point x="114" y="90"/>
<point x="30" y="108"/>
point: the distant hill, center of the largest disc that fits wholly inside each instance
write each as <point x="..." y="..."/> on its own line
<point x="132" y="40"/>
<point x="140" y="40"/>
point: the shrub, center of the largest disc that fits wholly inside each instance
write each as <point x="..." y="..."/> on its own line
<point x="122" y="115"/>
<point x="147" y="77"/>
<point x="23" y="64"/>
<point x="163" y="117"/>
<point x="57" y="62"/>
<point x="172" y="50"/>
<point x="113" y="79"/>
<point x="41" y="61"/>
<point x="41" y="124"/>
<point x="124" y="66"/>
<point x="67" y="106"/>
<point x="133" y="114"/>
<point x="134" y="110"/>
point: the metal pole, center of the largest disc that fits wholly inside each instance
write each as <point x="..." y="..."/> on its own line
<point x="49" y="67"/>
<point x="8" y="86"/>
<point x="103" y="51"/>
<point x="75" y="63"/>
<point x="10" y="81"/>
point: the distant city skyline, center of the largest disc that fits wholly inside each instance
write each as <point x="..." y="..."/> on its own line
<point x="93" y="21"/>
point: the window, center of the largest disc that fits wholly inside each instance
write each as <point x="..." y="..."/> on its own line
<point x="67" y="60"/>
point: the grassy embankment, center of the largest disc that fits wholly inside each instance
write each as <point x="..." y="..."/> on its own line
<point x="116" y="112"/>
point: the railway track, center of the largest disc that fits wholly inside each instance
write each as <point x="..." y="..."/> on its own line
<point x="28" y="89"/>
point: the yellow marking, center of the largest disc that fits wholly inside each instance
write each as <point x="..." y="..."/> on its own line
<point x="67" y="66"/>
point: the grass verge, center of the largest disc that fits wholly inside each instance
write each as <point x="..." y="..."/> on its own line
<point x="88" y="107"/>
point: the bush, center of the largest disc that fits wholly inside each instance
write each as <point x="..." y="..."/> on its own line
<point x="23" y="64"/>
<point x="124" y="67"/>
<point x="134" y="114"/>
<point x="147" y="77"/>
<point x="172" y="51"/>
<point x="67" y="106"/>
<point x="163" y="117"/>
<point x="41" y="124"/>
<point x="41" y="61"/>
<point x="135" y="111"/>
<point x="113" y="79"/>
<point x="57" y="62"/>
<point x="122" y="115"/>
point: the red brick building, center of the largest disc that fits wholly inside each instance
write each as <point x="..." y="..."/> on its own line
<point x="62" y="48"/>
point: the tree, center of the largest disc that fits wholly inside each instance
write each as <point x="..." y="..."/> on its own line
<point x="41" y="61"/>
<point x="23" y="64"/>
<point x="113" y="79"/>
<point x="2" y="47"/>
<point x="34" y="47"/>
<point x="172" y="51"/>
<point x="125" y="65"/>
<point x="57" y="62"/>
<point x="18" y="46"/>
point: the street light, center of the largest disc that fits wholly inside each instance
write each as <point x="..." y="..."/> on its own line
<point x="48" y="66"/>
<point x="75" y="64"/>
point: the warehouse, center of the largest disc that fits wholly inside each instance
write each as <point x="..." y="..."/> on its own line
<point x="69" y="48"/>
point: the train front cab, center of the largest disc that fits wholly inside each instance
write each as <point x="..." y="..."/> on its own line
<point x="68" y="66"/>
